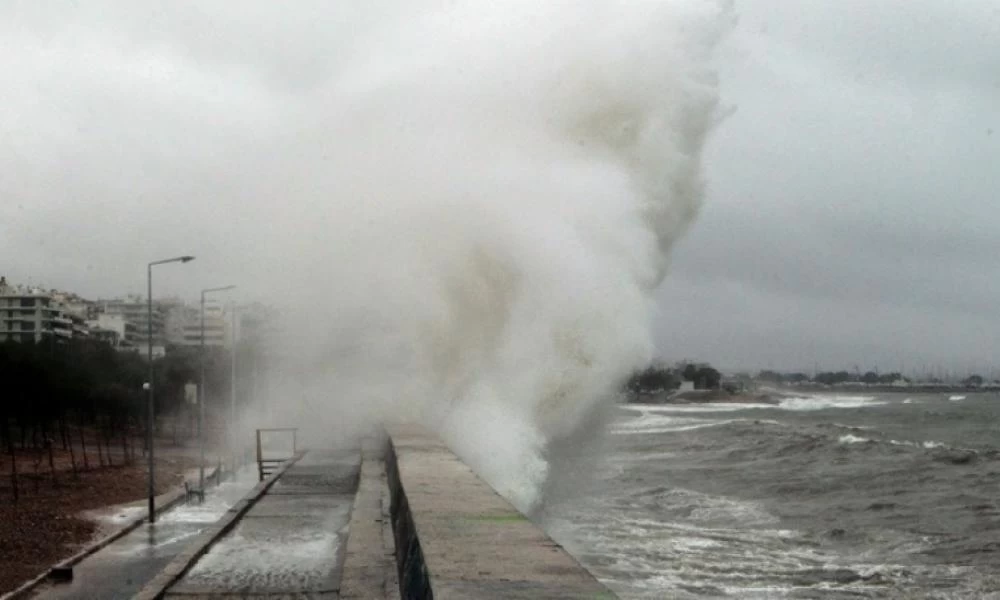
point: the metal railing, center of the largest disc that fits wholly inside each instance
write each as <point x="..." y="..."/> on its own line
<point x="269" y="464"/>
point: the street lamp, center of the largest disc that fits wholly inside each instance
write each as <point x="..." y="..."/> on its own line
<point x="149" y="355"/>
<point x="232" y="391"/>
<point x="201" y="387"/>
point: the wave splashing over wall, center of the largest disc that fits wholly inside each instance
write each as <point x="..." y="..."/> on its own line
<point x="502" y="183"/>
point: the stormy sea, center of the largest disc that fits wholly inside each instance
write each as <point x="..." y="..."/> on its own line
<point x="820" y="496"/>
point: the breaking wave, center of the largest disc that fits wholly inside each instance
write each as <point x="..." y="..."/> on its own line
<point x="502" y="185"/>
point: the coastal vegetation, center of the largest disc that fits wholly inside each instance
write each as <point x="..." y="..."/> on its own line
<point x="660" y="378"/>
<point x="82" y="402"/>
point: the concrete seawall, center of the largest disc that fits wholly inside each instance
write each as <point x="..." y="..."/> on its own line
<point x="455" y="537"/>
<point x="400" y="517"/>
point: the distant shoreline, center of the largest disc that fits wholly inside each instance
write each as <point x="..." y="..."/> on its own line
<point x="892" y="389"/>
<point x="709" y="396"/>
<point x="773" y="396"/>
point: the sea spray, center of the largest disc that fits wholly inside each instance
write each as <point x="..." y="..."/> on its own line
<point x="477" y="244"/>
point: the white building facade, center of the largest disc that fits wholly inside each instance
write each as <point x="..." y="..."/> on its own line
<point x="218" y="329"/>
<point x="32" y="315"/>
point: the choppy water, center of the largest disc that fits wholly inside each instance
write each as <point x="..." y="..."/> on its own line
<point x="884" y="496"/>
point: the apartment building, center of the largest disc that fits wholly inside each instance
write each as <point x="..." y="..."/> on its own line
<point x="217" y="326"/>
<point x="32" y="314"/>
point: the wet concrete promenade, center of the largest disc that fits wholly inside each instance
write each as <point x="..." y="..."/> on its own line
<point x="401" y="518"/>
<point x="289" y="542"/>
<point x="120" y="569"/>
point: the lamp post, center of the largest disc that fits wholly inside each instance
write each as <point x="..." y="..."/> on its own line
<point x="150" y="412"/>
<point x="201" y="388"/>
<point x="232" y="391"/>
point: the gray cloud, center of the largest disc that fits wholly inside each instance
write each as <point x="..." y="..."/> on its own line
<point x="852" y="215"/>
<point x="852" y="206"/>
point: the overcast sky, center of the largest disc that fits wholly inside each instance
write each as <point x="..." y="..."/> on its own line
<point x="853" y="216"/>
<point x="851" y="219"/>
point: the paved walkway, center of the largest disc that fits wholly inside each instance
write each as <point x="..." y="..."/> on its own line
<point x="290" y="541"/>
<point x="422" y="524"/>
<point x="121" y="568"/>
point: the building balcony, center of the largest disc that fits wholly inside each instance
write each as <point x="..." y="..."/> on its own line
<point x="56" y="334"/>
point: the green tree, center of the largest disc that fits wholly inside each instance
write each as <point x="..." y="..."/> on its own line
<point x="652" y="379"/>
<point x="973" y="381"/>
<point x="707" y="378"/>
<point x="771" y="376"/>
<point x="832" y="378"/>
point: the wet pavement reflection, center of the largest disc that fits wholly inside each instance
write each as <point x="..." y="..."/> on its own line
<point x="121" y="569"/>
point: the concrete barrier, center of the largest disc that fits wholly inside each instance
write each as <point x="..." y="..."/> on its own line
<point x="369" y="569"/>
<point x="455" y="537"/>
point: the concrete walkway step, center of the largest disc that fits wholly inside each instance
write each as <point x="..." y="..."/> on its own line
<point x="289" y="542"/>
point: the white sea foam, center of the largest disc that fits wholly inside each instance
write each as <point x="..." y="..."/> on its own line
<point x="653" y="423"/>
<point x="825" y="402"/>
<point x="928" y="444"/>
<point x="706" y="407"/>
<point x="800" y="403"/>
<point x="498" y="190"/>
<point x="672" y="428"/>
<point x="244" y="560"/>
<point x="853" y="439"/>
<point x="725" y="542"/>
<point x="653" y="419"/>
